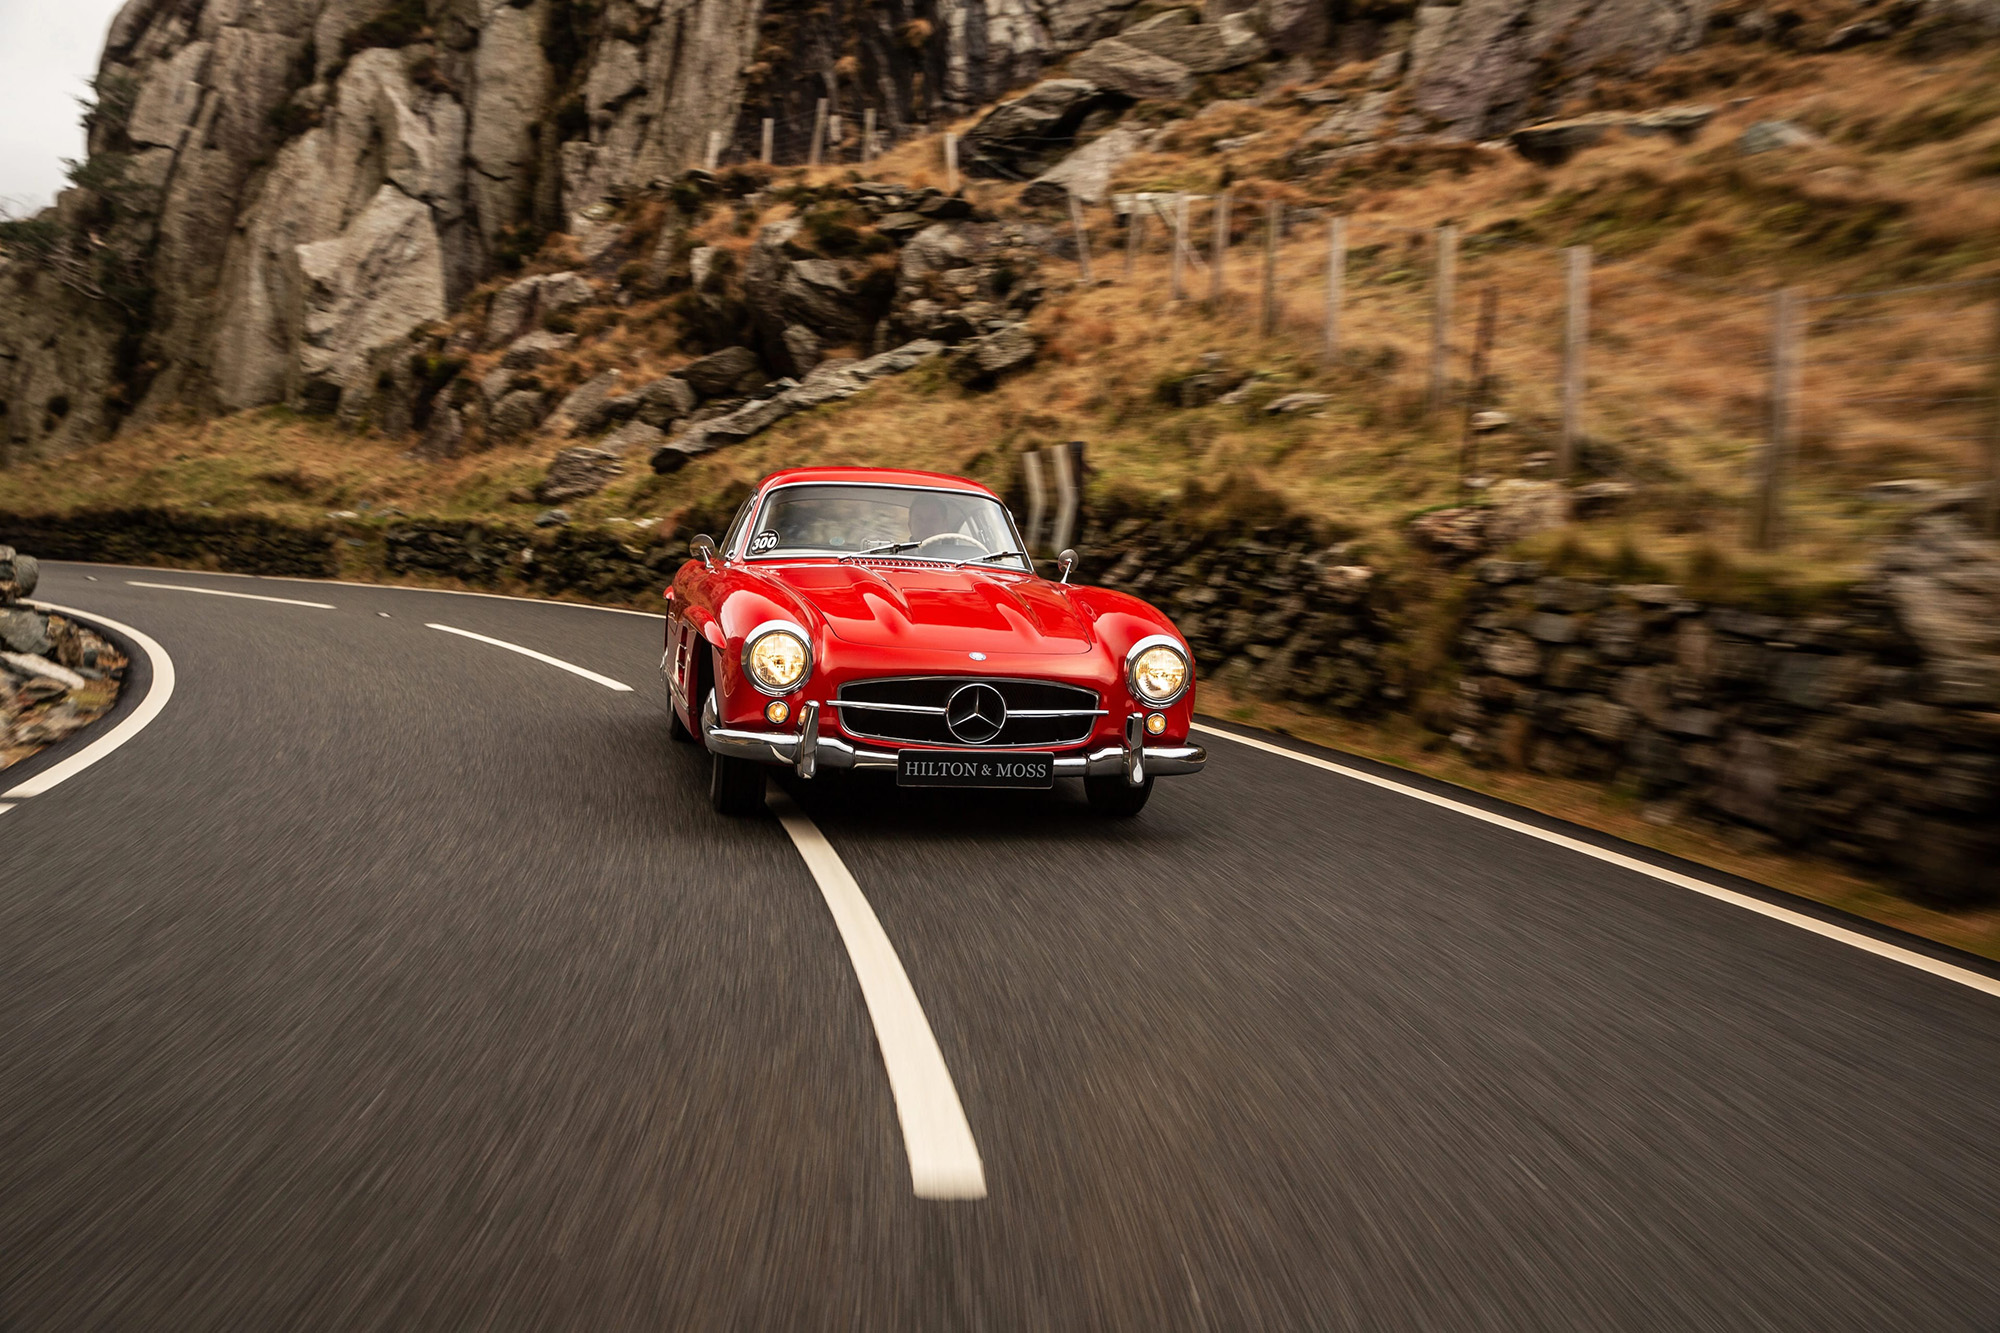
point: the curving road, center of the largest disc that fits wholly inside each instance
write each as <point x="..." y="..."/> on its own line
<point x="390" y="978"/>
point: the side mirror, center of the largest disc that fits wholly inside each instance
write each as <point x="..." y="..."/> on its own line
<point x="1066" y="562"/>
<point x="703" y="547"/>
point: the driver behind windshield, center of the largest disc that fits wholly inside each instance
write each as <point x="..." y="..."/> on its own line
<point x="934" y="516"/>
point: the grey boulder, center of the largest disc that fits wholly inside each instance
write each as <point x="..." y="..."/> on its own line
<point x="984" y="360"/>
<point x="731" y="370"/>
<point x="584" y="410"/>
<point x="1770" y="136"/>
<point x="1087" y="172"/>
<point x="667" y="399"/>
<point x="1134" y="71"/>
<point x="516" y="414"/>
<point x="1484" y="67"/>
<point x="1204" y="48"/>
<point x="25" y="631"/>
<point x="575" y="473"/>
<point x="1017" y="137"/>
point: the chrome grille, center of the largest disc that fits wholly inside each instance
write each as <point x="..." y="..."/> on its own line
<point x="911" y="710"/>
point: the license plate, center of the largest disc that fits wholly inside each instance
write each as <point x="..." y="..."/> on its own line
<point x="970" y="768"/>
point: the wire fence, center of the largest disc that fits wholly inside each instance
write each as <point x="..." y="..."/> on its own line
<point x="1844" y="388"/>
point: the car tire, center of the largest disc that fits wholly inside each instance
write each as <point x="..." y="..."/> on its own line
<point x="677" y="728"/>
<point x="1115" y="797"/>
<point x="735" y="786"/>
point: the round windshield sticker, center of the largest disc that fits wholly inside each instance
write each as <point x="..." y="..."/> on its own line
<point x="764" y="541"/>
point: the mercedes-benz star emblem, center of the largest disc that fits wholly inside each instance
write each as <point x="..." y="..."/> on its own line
<point x="975" y="713"/>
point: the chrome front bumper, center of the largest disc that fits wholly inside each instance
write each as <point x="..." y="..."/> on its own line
<point x="807" y="751"/>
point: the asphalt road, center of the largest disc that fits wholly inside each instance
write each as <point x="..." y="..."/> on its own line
<point x="389" y="979"/>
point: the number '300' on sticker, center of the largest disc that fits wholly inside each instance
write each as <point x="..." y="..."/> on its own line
<point x="762" y="542"/>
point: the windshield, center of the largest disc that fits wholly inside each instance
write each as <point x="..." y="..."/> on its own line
<point x="903" y="522"/>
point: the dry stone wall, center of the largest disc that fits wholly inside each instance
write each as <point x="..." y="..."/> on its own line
<point x="1868" y="730"/>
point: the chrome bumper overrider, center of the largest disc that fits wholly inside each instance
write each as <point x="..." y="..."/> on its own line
<point x="808" y="751"/>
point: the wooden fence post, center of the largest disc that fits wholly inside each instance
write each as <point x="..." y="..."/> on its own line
<point x="1767" y="526"/>
<point x="1576" y="356"/>
<point x="1135" y="235"/>
<point x="1178" y="268"/>
<point x="868" y="134"/>
<point x="1447" y="282"/>
<point x="950" y="163"/>
<point x="1336" y="280"/>
<point x="714" y="149"/>
<point x="1475" y="391"/>
<point x="1221" y="250"/>
<point x="1992" y="501"/>
<point x="833" y="136"/>
<point x="818" y="148"/>
<point x="1274" y="218"/>
<point x="770" y="131"/>
<point x="1082" y="237"/>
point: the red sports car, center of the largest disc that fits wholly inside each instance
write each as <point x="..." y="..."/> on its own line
<point x="878" y="619"/>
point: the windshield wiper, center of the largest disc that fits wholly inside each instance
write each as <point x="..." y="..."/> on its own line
<point x="887" y="548"/>
<point x="988" y="559"/>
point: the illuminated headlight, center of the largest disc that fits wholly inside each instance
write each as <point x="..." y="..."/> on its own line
<point x="1159" y="674"/>
<point x="777" y="660"/>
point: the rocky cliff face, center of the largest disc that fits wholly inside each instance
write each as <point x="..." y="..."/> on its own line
<point x="279" y="191"/>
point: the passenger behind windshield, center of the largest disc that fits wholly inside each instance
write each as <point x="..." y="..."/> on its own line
<point x="952" y="527"/>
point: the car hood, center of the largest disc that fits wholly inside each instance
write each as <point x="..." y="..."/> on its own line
<point x="880" y="605"/>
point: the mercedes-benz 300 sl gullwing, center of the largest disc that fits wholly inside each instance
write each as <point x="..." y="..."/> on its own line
<point x="859" y="618"/>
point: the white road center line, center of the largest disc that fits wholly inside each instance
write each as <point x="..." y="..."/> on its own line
<point x="1826" y="929"/>
<point x="241" y="596"/>
<point x="161" y="690"/>
<point x="944" y="1161"/>
<point x="570" y="667"/>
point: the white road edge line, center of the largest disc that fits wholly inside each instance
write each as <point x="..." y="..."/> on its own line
<point x="221" y="592"/>
<point x="1826" y="929"/>
<point x="944" y="1161"/>
<point x="161" y="690"/>
<point x="570" y="667"/>
<point x="385" y="587"/>
<point x="463" y="592"/>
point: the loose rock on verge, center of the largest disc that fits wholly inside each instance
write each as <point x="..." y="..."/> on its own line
<point x="55" y="675"/>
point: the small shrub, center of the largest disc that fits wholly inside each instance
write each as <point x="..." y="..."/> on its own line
<point x="32" y="237"/>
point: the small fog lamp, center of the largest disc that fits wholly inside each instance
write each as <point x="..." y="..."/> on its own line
<point x="777" y="712"/>
<point x="1156" y="723"/>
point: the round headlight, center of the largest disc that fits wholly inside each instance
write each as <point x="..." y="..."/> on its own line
<point x="1159" y="674"/>
<point x="778" y="661"/>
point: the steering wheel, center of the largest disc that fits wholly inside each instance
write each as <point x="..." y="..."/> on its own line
<point x="940" y="539"/>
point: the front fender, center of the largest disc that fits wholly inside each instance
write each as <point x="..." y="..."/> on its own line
<point x="1120" y="622"/>
<point x="750" y="600"/>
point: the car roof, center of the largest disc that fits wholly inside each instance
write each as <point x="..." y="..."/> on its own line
<point x="876" y="476"/>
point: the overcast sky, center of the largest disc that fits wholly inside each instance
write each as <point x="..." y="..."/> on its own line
<point x="48" y="51"/>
